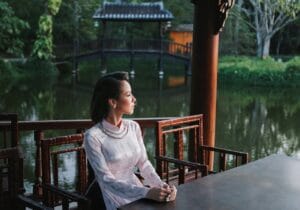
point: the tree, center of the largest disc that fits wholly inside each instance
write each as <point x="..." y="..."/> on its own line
<point x="29" y="11"/>
<point x="183" y="11"/>
<point x="267" y="17"/>
<point x="237" y="37"/>
<point x="287" y="41"/>
<point x="43" y="46"/>
<point x="11" y="28"/>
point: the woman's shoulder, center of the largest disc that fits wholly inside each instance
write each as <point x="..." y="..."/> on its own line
<point x="93" y="133"/>
<point x="131" y="123"/>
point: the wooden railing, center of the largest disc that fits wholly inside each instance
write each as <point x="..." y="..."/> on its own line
<point x="73" y="126"/>
<point x="125" y="45"/>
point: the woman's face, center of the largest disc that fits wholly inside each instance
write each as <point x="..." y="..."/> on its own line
<point x="126" y="101"/>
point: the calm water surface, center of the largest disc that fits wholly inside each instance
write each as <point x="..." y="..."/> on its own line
<point x="260" y="121"/>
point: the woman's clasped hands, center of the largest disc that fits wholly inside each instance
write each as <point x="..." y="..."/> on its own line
<point x="165" y="193"/>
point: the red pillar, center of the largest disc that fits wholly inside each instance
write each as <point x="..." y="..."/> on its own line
<point x="205" y="66"/>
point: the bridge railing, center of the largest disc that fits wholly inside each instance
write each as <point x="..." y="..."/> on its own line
<point x="179" y="49"/>
<point x="125" y="45"/>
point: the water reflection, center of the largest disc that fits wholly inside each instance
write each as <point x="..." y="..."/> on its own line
<point x="258" y="120"/>
<point x="261" y="121"/>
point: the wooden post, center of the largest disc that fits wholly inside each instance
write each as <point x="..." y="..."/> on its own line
<point x="160" y="59"/>
<point x="76" y="39"/>
<point x="204" y="67"/>
<point x="132" y="72"/>
<point x="103" y="56"/>
<point x="209" y="18"/>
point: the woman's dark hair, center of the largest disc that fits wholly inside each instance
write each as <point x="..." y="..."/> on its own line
<point x="107" y="87"/>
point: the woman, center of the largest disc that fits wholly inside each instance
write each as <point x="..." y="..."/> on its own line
<point x="114" y="147"/>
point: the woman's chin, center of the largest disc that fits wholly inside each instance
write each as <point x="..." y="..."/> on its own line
<point x="130" y="112"/>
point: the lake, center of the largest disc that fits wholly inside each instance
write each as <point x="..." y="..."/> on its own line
<point x="257" y="120"/>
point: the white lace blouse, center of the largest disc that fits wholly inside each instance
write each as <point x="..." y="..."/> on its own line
<point x="114" y="153"/>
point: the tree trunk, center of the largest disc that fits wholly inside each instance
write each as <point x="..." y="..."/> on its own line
<point x="237" y="27"/>
<point x="266" y="48"/>
<point x="259" y="42"/>
<point x="278" y="44"/>
<point x="267" y="18"/>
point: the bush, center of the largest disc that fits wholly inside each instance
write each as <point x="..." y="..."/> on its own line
<point x="35" y="66"/>
<point x="8" y="70"/>
<point x="293" y="65"/>
<point x="292" y="71"/>
<point x="11" y="29"/>
<point x="255" y="71"/>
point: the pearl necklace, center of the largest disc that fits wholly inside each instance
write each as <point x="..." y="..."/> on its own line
<point x="113" y="134"/>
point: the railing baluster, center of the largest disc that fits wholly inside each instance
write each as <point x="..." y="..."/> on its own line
<point x="38" y="135"/>
<point x="222" y="157"/>
<point x="4" y="138"/>
<point x="55" y="169"/>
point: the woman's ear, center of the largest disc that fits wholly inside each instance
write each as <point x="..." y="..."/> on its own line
<point x="112" y="103"/>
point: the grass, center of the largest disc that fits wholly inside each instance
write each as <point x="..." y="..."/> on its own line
<point x="258" y="72"/>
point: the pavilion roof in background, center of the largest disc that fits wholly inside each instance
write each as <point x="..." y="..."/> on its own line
<point x="149" y="11"/>
<point x="183" y="28"/>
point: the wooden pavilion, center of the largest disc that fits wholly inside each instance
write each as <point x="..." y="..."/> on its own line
<point x="141" y="12"/>
<point x="122" y="11"/>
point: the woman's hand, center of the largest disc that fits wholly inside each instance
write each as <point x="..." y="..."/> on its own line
<point x="173" y="194"/>
<point x="158" y="194"/>
<point x="162" y="194"/>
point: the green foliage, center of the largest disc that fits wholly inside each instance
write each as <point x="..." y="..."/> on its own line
<point x="29" y="11"/>
<point x="5" y="68"/>
<point x="287" y="41"/>
<point x="53" y="6"/>
<point x="183" y="11"/>
<point x="267" y="17"/>
<point x="76" y="17"/>
<point x="237" y="38"/>
<point x="45" y="24"/>
<point x="290" y="7"/>
<point x="254" y="71"/>
<point x="64" y="25"/>
<point x="292" y="70"/>
<point x="11" y="28"/>
<point x="41" y="68"/>
<point x="43" y="46"/>
<point x="9" y="70"/>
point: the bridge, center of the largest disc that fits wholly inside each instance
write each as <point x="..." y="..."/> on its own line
<point x="98" y="48"/>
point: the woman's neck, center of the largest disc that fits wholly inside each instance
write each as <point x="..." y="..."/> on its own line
<point x="114" y="119"/>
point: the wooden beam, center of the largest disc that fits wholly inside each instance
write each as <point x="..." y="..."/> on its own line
<point x="205" y="66"/>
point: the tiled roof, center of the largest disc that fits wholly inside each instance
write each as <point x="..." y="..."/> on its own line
<point x="151" y="11"/>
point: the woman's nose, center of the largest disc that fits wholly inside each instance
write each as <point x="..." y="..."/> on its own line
<point x="134" y="99"/>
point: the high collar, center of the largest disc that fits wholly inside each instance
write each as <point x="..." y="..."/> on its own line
<point x="112" y="130"/>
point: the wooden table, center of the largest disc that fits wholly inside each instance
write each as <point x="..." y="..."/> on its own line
<point x="269" y="183"/>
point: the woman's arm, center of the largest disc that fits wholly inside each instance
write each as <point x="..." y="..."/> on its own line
<point x="104" y="176"/>
<point x="147" y="170"/>
<point x="160" y="191"/>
